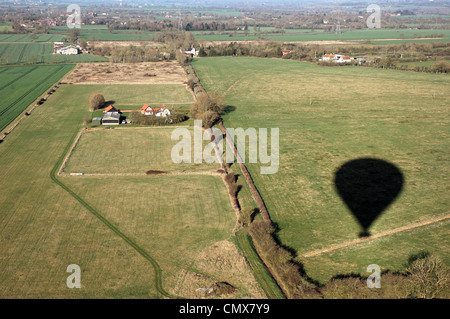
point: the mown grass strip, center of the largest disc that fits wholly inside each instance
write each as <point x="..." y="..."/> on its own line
<point x="107" y="223"/>
<point x="262" y="275"/>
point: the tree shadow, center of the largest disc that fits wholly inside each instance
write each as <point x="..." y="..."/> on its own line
<point x="368" y="186"/>
<point x="294" y="254"/>
<point x="228" y="109"/>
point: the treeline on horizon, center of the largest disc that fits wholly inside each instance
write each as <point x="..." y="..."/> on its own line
<point x="149" y="19"/>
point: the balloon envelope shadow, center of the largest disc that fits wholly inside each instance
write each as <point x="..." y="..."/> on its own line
<point x="368" y="186"/>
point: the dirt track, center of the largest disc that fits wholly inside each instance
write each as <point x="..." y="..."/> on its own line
<point x="379" y="235"/>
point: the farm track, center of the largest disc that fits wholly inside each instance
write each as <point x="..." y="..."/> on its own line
<point x="235" y="83"/>
<point x="379" y="235"/>
<point x="29" y="91"/>
<point x="107" y="223"/>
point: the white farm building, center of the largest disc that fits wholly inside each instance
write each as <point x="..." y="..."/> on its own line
<point x="70" y="50"/>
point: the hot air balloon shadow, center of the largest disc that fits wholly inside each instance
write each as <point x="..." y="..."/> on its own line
<point x="368" y="186"/>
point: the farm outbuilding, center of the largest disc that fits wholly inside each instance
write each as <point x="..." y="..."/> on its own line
<point x="111" y="118"/>
<point x="70" y="50"/>
<point x="96" y="120"/>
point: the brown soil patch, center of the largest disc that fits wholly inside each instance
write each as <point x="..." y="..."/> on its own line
<point x="222" y="263"/>
<point x="168" y="72"/>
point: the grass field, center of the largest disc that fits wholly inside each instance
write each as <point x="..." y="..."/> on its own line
<point x="293" y="35"/>
<point x="21" y="85"/>
<point x="132" y="236"/>
<point x="137" y="150"/>
<point x="26" y="38"/>
<point x="328" y="116"/>
<point x="32" y="53"/>
<point x="101" y="33"/>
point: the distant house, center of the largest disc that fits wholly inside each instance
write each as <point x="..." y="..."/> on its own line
<point x="192" y="52"/>
<point x="70" y="50"/>
<point x="158" y="112"/>
<point x="328" y="57"/>
<point x="111" y="118"/>
<point x="161" y="112"/>
<point x="344" y="59"/>
<point x="146" y="110"/>
<point x="337" y="58"/>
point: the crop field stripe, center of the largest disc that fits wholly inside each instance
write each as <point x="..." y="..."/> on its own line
<point x="19" y="59"/>
<point x="5" y="48"/>
<point x="6" y="38"/>
<point x="29" y="91"/>
<point x="142" y="252"/>
<point x="7" y="118"/>
<point x="18" y="78"/>
<point x="3" y="69"/>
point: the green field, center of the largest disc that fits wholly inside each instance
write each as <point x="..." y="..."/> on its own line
<point x="101" y="33"/>
<point x="328" y="116"/>
<point x="26" y="38"/>
<point x="132" y="236"/>
<point x="138" y="150"/>
<point x="319" y="35"/>
<point x="32" y="53"/>
<point x="21" y="85"/>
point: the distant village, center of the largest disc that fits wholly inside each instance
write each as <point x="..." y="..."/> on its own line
<point x="340" y="58"/>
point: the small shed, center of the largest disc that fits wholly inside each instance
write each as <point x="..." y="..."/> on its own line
<point x="96" y="120"/>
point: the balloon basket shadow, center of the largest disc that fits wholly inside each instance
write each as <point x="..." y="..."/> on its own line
<point x="364" y="234"/>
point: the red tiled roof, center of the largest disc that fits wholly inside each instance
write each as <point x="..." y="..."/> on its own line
<point x="109" y="108"/>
